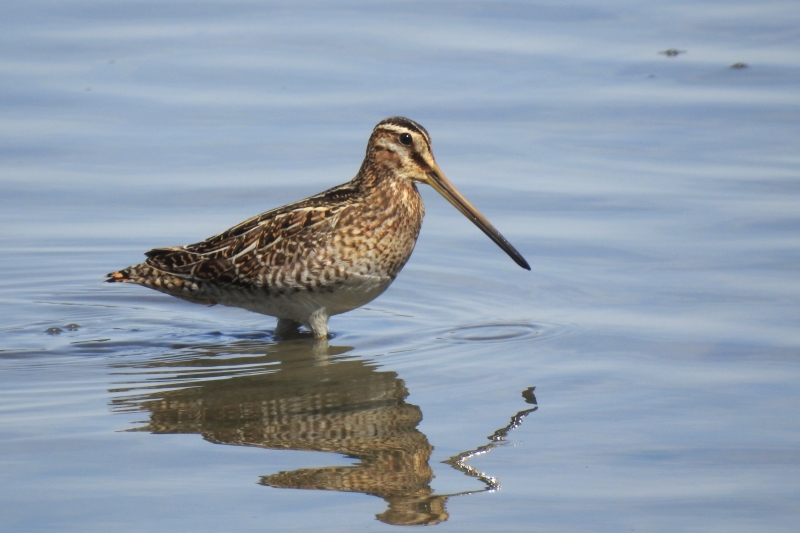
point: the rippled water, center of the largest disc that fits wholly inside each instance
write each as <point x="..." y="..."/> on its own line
<point x="655" y="197"/>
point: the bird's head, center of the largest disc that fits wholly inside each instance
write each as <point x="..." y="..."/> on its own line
<point x="399" y="148"/>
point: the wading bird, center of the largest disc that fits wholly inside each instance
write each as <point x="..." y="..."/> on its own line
<point x="321" y="256"/>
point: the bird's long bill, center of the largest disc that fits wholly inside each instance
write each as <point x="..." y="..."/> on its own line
<point x="438" y="181"/>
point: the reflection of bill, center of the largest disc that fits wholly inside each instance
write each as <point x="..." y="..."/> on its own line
<point x="295" y="399"/>
<point x="498" y="437"/>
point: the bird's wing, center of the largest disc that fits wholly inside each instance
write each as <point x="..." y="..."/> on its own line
<point x="262" y="241"/>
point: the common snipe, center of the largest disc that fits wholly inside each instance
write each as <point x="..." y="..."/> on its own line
<point x="321" y="256"/>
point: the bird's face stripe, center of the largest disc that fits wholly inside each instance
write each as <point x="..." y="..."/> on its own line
<point x="403" y="125"/>
<point x="420" y="161"/>
<point x="402" y="129"/>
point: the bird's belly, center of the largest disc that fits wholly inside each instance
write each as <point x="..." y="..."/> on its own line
<point x="298" y="305"/>
<point x="357" y="291"/>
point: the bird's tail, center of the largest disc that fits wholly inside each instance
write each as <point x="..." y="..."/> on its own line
<point x="153" y="278"/>
<point x="125" y="275"/>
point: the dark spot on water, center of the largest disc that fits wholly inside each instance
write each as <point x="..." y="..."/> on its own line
<point x="528" y="395"/>
<point x="672" y="52"/>
<point x="739" y="65"/>
<point x="73" y="327"/>
<point x="54" y="331"/>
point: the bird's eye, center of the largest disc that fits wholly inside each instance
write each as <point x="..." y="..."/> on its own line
<point x="405" y="138"/>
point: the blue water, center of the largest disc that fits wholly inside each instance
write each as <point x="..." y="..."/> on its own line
<point x="656" y="199"/>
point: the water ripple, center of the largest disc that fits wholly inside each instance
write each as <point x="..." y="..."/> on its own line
<point x="506" y="332"/>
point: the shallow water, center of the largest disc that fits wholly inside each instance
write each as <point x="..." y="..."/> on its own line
<point x="656" y="199"/>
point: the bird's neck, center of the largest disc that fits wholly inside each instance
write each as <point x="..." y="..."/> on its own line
<point x="378" y="183"/>
<point x="386" y="191"/>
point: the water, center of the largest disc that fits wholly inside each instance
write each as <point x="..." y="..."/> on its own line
<point x="656" y="199"/>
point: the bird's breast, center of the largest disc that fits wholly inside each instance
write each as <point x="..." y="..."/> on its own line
<point x="381" y="234"/>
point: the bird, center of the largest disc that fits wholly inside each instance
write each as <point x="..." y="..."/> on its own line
<point x="322" y="256"/>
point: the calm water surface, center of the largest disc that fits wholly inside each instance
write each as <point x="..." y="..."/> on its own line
<point x="655" y="197"/>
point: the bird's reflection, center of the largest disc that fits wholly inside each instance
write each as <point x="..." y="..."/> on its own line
<point x="299" y="396"/>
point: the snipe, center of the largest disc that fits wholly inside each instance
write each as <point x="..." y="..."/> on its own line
<point x="324" y="255"/>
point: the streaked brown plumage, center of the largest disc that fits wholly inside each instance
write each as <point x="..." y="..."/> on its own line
<point x="321" y="256"/>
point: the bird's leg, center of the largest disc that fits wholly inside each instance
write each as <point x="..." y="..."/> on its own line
<point x="318" y="323"/>
<point x="286" y="328"/>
